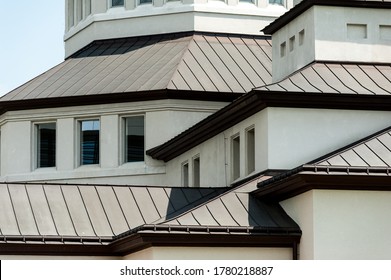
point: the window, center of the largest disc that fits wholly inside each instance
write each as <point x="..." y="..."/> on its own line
<point x="250" y="150"/>
<point x="278" y="2"/>
<point x="46" y="145"/>
<point x="196" y="172"/>
<point x="115" y="3"/>
<point x="282" y="49"/>
<point x="89" y="142"/>
<point x="134" y="139"/>
<point x="87" y="7"/>
<point x="292" y="43"/>
<point x="145" y="1"/>
<point x="79" y="10"/>
<point x="185" y="174"/>
<point x="71" y="11"/>
<point x="235" y="157"/>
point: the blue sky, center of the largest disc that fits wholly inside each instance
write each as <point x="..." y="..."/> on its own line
<point x="31" y="40"/>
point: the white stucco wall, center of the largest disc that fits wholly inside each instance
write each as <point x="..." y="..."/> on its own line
<point x="211" y="253"/>
<point x="359" y="35"/>
<point x="284" y="139"/>
<point x="164" y="119"/>
<point x="343" y="224"/>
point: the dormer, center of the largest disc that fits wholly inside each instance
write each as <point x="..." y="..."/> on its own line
<point x="330" y="30"/>
<point x="89" y="20"/>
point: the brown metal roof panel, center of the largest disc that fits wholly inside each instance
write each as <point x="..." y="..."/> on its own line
<point x="377" y="77"/>
<point x="129" y="207"/>
<point x="256" y="58"/>
<point x="131" y="62"/>
<point x="299" y="81"/>
<point x="96" y="213"/>
<point x="112" y="209"/>
<point x="237" y="210"/>
<point x="78" y="212"/>
<point x="23" y="211"/>
<point x="198" y="51"/>
<point x="204" y="217"/>
<point x="146" y="204"/>
<point x="379" y="149"/>
<point x="196" y="69"/>
<point x="162" y="54"/>
<point x="186" y="220"/>
<point x="220" y="213"/>
<point x="353" y="159"/>
<point x="363" y="79"/>
<point x="330" y="79"/>
<point x="59" y="210"/>
<point x="190" y="81"/>
<point x="208" y="49"/>
<point x="161" y="201"/>
<point x="259" y="214"/>
<point x="262" y="51"/>
<point x="385" y="139"/>
<point x="369" y="156"/>
<point x="41" y="210"/>
<point x="335" y="161"/>
<point x="8" y="222"/>
<point x="385" y="71"/>
<point x="347" y="79"/>
<point x="163" y="73"/>
<point x="312" y="77"/>
<point x="177" y="198"/>
<point x="235" y="67"/>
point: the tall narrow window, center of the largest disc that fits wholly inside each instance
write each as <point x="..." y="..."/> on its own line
<point x="196" y="172"/>
<point x="236" y="158"/>
<point x="79" y="10"/>
<point x="89" y="142"/>
<point x="185" y="174"/>
<point x="71" y="13"/>
<point x="134" y="139"/>
<point x="250" y="150"/>
<point x="88" y="7"/>
<point x="115" y="3"/>
<point x="46" y="145"/>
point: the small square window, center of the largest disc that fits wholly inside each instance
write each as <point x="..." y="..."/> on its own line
<point x="46" y="145"/>
<point x="89" y="142"/>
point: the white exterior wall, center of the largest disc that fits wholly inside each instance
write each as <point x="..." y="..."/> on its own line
<point x="164" y="119"/>
<point x="359" y="35"/>
<point x="284" y="139"/>
<point x="211" y="253"/>
<point x="343" y="224"/>
<point x="164" y="16"/>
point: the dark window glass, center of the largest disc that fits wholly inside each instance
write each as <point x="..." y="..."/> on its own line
<point x="145" y="1"/>
<point x="46" y="149"/>
<point x="117" y="3"/>
<point x="89" y="142"/>
<point x="134" y="139"/>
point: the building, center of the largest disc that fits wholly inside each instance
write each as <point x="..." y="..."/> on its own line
<point x="170" y="132"/>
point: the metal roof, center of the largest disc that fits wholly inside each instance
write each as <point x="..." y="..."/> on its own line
<point x="88" y="212"/>
<point x="199" y="62"/>
<point x="337" y="78"/>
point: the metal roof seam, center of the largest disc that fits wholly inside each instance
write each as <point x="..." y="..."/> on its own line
<point x="104" y="210"/>
<point x="32" y="209"/>
<point x="87" y="212"/>
<point x="120" y="207"/>
<point x="50" y="210"/>
<point x="336" y="76"/>
<point x="353" y="76"/>
<point x="369" y="76"/>
<point x="13" y="210"/>
<point x="69" y="212"/>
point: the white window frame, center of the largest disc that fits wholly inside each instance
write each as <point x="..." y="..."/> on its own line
<point x="78" y="134"/>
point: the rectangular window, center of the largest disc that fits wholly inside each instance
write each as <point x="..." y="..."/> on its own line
<point x="236" y="158"/>
<point x="46" y="145"/>
<point x="145" y="1"/>
<point x="89" y="142"/>
<point x="250" y="153"/>
<point x="88" y="7"/>
<point x="71" y="13"/>
<point x="185" y="174"/>
<point x="278" y="2"/>
<point x="115" y="3"/>
<point x="79" y="10"/>
<point x="196" y="172"/>
<point x="134" y="139"/>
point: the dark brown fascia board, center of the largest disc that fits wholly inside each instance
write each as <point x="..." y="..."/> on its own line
<point x="140" y="241"/>
<point x="111" y="98"/>
<point x="336" y="178"/>
<point x="255" y="101"/>
<point x="306" y="4"/>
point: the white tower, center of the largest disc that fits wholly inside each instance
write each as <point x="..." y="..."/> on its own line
<point x="89" y="20"/>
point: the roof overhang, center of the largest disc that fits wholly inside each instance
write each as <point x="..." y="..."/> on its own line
<point x="310" y="177"/>
<point x="306" y="4"/>
<point x="255" y="101"/>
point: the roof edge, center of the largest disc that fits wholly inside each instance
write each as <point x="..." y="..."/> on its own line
<point x="306" y="4"/>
